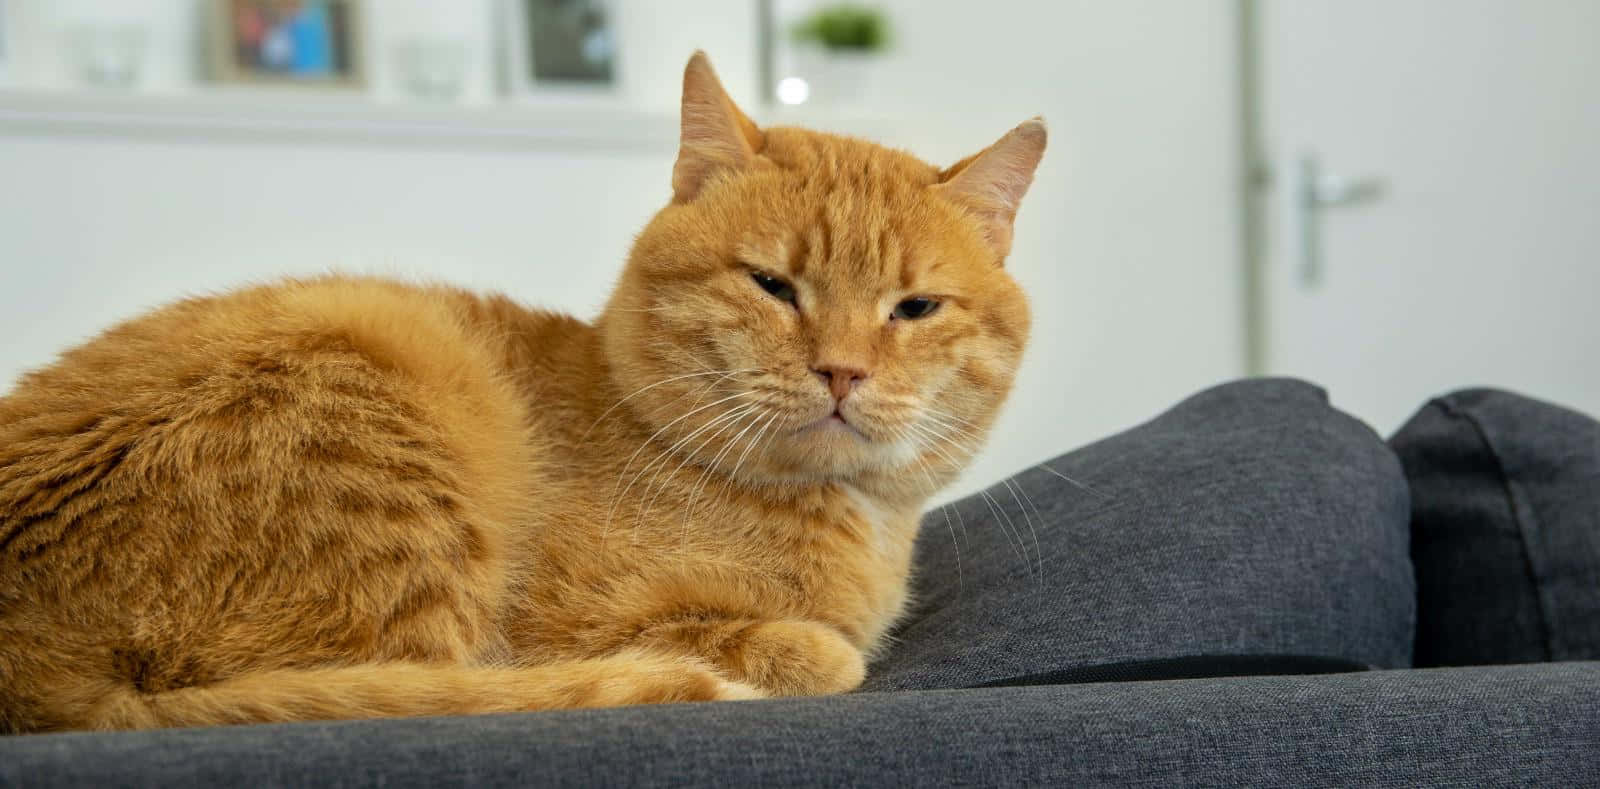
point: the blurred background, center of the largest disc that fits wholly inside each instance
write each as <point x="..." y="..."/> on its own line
<point x="1393" y="198"/>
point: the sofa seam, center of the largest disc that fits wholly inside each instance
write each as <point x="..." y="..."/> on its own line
<point x="1533" y="555"/>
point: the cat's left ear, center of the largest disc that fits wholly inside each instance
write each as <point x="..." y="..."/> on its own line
<point x="716" y="136"/>
<point x="991" y="183"/>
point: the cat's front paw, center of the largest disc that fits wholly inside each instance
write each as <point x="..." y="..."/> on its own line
<point x="658" y="679"/>
<point x="796" y="658"/>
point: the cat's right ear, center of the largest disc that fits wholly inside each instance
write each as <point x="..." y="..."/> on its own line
<point x="992" y="182"/>
<point x="716" y="136"/>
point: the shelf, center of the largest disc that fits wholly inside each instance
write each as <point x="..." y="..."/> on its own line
<point x="271" y="116"/>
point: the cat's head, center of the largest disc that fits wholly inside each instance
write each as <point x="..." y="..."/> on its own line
<point x="814" y="307"/>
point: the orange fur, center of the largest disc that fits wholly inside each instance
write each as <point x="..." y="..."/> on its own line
<point x="348" y="497"/>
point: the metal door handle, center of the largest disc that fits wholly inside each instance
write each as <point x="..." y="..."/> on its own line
<point x="1316" y="192"/>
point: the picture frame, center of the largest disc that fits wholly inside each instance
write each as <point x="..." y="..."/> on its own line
<point x="561" y="47"/>
<point x="306" y="43"/>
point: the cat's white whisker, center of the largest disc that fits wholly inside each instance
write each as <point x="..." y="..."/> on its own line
<point x="1028" y="518"/>
<point x="642" y="390"/>
<point x="728" y="419"/>
<point x="994" y="506"/>
<point x="733" y="475"/>
<point x="711" y="465"/>
<point x="1082" y="485"/>
<point x="616" y="496"/>
<point x="955" y="544"/>
<point x="1006" y="527"/>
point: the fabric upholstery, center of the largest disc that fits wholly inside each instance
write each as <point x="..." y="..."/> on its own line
<point x="1252" y="519"/>
<point x="1505" y="496"/>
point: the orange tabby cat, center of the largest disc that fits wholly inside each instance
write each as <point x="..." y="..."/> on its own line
<point x="348" y="497"/>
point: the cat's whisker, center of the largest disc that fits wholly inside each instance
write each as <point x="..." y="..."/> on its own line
<point x="940" y="421"/>
<point x="1020" y="494"/>
<point x="1036" y="511"/>
<point x="644" y="389"/>
<point x="1082" y="485"/>
<point x="1009" y="525"/>
<point x="955" y="543"/>
<point x="961" y="580"/>
<point x="946" y="414"/>
<point x="753" y="441"/>
<point x="661" y="458"/>
<point x="901" y="435"/>
<point x="704" y="345"/>
<point x="733" y="475"/>
<point x="1012" y="488"/>
<point x="616" y="496"/>
<point x="727" y="418"/>
<point x="711" y="465"/>
<point x="1028" y="518"/>
<point x="1006" y="527"/>
<point x="940" y="437"/>
<point x="962" y="522"/>
<point x="938" y="417"/>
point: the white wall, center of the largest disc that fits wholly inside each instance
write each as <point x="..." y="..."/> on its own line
<point x="1126" y="243"/>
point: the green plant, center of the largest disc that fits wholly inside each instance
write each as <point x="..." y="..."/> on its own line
<point x="845" y="27"/>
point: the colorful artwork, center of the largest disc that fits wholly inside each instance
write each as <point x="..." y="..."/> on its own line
<point x="289" y="40"/>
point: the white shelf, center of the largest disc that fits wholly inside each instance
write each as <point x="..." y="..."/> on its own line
<point x="272" y="116"/>
<point x="279" y="116"/>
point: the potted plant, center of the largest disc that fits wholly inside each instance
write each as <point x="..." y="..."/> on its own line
<point x="837" y="46"/>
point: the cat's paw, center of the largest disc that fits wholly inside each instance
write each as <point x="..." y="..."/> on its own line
<point x="796" y="658"/>
<point x="705" y="684"/>
<point x="728" y="690"/>
<point x="657" y="679"/>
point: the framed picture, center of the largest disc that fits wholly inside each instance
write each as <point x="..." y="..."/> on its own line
<point x="292" y="42"/>
<point x="561" y="44"/>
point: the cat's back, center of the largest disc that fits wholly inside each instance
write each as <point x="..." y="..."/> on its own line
<point x="272" y="353"/>
<point x="332" y="369"/>
<point x="199" y="485"/>
<point x="417" y="330"/>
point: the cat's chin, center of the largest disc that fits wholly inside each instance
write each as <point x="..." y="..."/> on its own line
<point x="831" y="448"/>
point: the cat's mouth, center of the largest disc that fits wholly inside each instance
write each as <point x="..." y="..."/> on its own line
<point x="834" y="422"/>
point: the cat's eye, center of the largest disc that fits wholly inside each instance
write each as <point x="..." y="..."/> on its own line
<point x="783" y="291"/>
<point x="912" y="309"/>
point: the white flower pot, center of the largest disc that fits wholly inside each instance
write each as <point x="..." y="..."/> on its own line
<point x="837" y="77"/>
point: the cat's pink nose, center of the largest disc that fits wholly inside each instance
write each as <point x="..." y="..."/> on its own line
<point x="841" y="379"/>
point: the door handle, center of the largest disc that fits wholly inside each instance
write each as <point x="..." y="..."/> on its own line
<point x="1315" y="193"/>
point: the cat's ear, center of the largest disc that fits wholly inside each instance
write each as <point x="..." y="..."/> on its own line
<point x="992" y="182"/>
<point x="716" y="138"/>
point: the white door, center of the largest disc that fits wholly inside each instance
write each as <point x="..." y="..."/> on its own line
<point x="1474" y="260"/>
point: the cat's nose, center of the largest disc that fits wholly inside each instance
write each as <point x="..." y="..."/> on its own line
<point x="840" y="379"/>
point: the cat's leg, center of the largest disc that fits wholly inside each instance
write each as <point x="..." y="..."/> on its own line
<point x="383" y="690"/>
<point x="785" y="657"/>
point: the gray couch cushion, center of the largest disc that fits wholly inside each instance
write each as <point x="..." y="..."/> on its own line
<point x="1252" y="519"/>
<point x="1517" y="726"/>
<point x="1505" y="529"/>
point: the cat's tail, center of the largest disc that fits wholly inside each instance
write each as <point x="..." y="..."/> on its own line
<point x="390" y="690"/>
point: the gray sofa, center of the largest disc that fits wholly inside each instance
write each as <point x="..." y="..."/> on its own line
<point x="1250" y="589"/>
